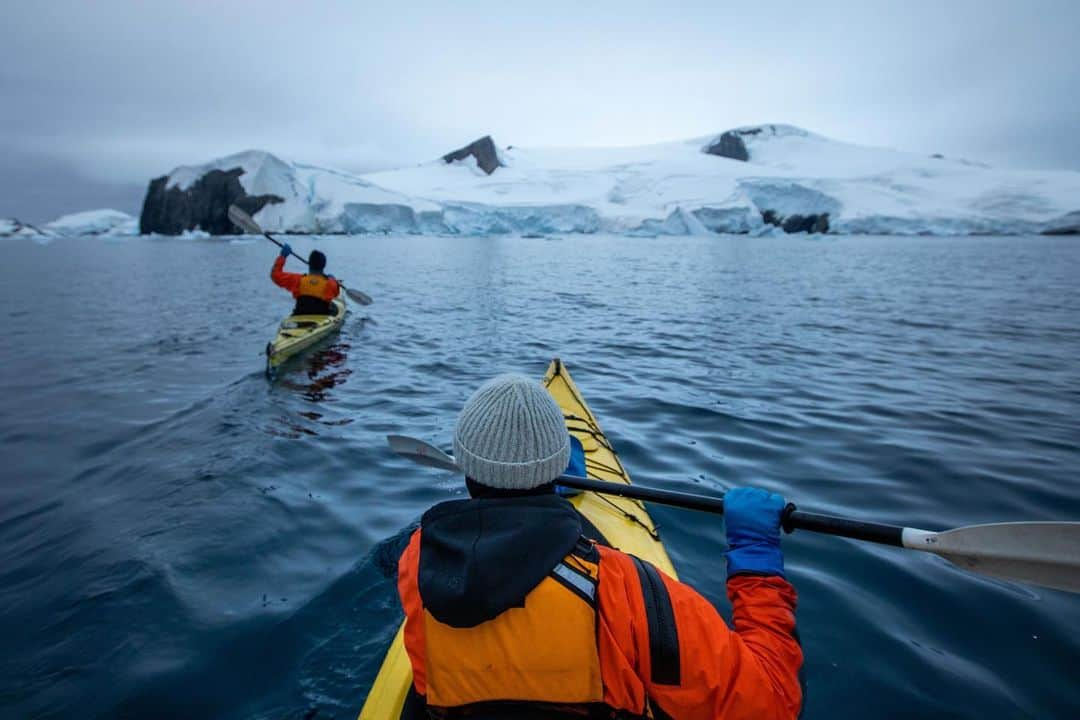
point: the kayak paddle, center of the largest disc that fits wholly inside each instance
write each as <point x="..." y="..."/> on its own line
<point x="1040" y="553"/>
<point x="247" y="223"/>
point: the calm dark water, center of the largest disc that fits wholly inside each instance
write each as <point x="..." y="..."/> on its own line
<point x="180" y="538"/>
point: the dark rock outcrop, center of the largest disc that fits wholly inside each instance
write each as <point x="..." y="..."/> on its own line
<point x="730" y="145"/>
<point x="1065" y="225"/>
<point x="171" y="211"/>
<point x="487" y="157"/>
<point x="10" y="227"/>
<point x="818" y="223"/>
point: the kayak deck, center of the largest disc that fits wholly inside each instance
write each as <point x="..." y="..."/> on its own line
<point x="297" y="333"/>
<point x="624" y="522"/>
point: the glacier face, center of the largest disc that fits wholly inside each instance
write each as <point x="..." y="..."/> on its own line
<point x="792" y="178"/>
<point x="784" y="177"/>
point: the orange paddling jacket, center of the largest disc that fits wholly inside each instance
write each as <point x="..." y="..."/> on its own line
<point x="513" y="607"/>
<point x="313" y="292"/>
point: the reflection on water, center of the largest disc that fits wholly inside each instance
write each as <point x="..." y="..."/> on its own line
<point x="324" y="370"/>
<point x="315" y="376"/>
<point x="310" y="383"/>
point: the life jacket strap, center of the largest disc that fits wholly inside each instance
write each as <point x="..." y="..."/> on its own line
<point x="500" y="710"/>
<point x="576" y="582"/>
<point x="663" y="632"/>
<point x="577" y="578"/>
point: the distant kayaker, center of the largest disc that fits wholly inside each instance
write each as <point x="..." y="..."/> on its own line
<point x="516" y="607"/>
<point x="313" y="291"/>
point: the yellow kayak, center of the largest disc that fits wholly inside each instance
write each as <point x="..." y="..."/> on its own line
<point x="299" y="332"/>
<point x="623" y="522"/>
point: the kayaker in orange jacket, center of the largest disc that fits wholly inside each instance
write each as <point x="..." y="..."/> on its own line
<point x="314" y="290"/>
<point x="516" y="607"/>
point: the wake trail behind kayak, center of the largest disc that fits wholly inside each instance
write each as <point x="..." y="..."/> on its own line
<point x="287" y="659"/>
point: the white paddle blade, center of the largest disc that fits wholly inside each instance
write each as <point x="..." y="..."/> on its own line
<point x="357" y="296"/>
<point x="242" y="220"/>
<point x="1040" y="553"/>
<point x="422" y="452"/>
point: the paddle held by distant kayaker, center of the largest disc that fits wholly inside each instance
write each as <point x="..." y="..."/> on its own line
<point x="516" y="606"/>
<point x="314" y="290"/>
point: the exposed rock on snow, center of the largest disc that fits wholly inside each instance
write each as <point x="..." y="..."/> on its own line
<point x="12" y="227"/>
<point x="789" y="205"/>
<point x="798" y="223"/>
<point x="483" y="150"/>
<point x="790" y="180"/>
<point x="733" y="143"/>
<point x="729" y="145"/>
<point x="192" y="198"/>
<point x="285" y="197"/>
<point x="1065" y="225"/>
<point x="95" y="222"/>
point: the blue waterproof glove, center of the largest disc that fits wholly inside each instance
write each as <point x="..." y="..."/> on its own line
<point x="575" y="467"/>
<point x="752" y="522"/>
<point x="285" y="250"/>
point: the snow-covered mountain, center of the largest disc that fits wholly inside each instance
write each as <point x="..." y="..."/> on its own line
<point x="739" y="182"/>
<point x="748" y="180"/>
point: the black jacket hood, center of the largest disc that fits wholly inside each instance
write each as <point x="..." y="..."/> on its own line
<point x="479" y="558"/>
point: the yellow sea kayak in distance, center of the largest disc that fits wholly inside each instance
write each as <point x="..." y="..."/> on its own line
<point x="299" y="332"/>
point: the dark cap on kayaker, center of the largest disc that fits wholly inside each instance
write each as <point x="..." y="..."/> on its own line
<point x="511" y="435"/>
<point x="316" y="261"/>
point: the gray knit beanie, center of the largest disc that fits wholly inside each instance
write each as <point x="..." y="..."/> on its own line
<point x="511" y="435"/>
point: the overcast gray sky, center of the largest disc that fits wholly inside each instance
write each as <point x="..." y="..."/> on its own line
<point x="98" y="97"/>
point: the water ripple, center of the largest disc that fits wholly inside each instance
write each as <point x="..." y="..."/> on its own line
<point x="180" y="538"/>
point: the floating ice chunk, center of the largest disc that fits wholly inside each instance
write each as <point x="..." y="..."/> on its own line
<point x="95" y="222"/>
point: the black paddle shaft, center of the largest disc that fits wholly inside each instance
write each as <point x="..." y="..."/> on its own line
<point x="272" y="239"/>
<point x="845" y="527"/>
<point x="793" y="519"/>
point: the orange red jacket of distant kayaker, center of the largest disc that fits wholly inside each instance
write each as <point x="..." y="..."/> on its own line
<point x="313" y="291"/>
<point x="514" y="604"/>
